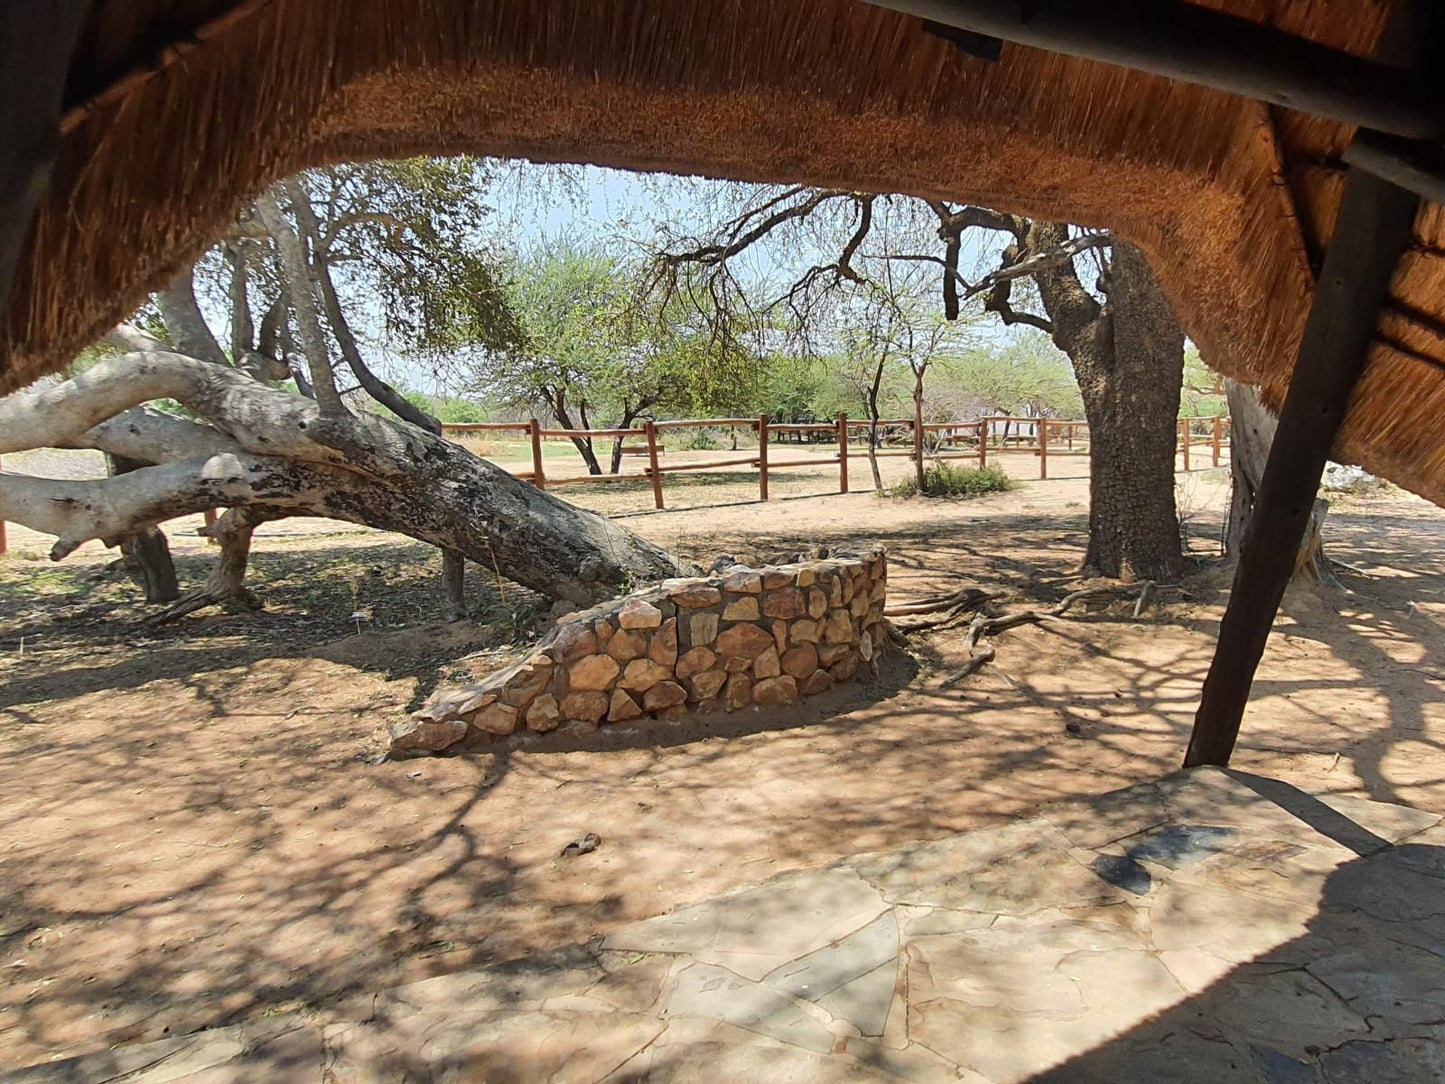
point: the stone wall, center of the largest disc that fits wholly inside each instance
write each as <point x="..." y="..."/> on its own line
<point x="739" y="638"/>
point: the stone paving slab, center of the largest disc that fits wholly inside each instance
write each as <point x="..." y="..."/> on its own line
<point x="1211" y="926"/>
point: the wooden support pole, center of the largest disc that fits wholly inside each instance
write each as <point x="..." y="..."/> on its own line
<point x="1218" y="433"/>
<point x="762" y="457"/>
<point x="651" y="429"/>
<point x="1374" y="225"/>
<point x="1043" y="447"/>
<point x="534" y="432"/>
<point x="1184" y="441"/>
<point x="36" y="46"/>
<point x="842" y="453"/>
<point x="982" y="443"/>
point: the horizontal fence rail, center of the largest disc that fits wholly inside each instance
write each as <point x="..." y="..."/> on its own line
<point x="1045" y="438"/>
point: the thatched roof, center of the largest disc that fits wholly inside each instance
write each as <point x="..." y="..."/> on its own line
<point x="1232" y="200"/>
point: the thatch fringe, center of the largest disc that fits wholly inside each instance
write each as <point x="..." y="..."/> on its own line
<point x="1229" y="200"/>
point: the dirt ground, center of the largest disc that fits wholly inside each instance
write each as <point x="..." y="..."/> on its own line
<point x="194" y="826"/>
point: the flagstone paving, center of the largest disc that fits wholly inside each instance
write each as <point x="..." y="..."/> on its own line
<point x="1212" y="926"/>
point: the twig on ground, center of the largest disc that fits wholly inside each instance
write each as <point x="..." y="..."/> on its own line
<point x="1143" y="594"/>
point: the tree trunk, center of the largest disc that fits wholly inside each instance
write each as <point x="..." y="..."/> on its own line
<point x="871" y="404"/>
<point x="1129" y="361"/>
<point x="392" y="476"/>
<point x="1251" y="433"/>
<point x="227" y="577"/>
<point x="919" y="475"/>
<point x="146" y="553"/>
<point x="454" y="585"/>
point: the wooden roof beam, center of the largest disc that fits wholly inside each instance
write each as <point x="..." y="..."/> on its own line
<point x="1195" y="45"/>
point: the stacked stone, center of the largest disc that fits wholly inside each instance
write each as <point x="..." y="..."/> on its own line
<point x="740" y="638"/>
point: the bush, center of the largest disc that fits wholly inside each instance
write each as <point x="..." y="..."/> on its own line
<point x="699" y="440"/>
<point x="946" y="480"/>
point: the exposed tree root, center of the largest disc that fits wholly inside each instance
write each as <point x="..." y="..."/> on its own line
<point x="953" y="607"/>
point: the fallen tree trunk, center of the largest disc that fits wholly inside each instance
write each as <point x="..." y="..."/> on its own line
<point x="257" y="447"/>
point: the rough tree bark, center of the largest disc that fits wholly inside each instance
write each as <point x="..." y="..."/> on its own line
<point x="1128" y="357"/>
<point x="256" y="454"/>
<point x="1251" y="435"/>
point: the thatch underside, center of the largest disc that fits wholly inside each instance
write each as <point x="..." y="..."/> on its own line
<point x="1230" y="199"/>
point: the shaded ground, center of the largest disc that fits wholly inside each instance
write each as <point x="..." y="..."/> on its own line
<point x="193" y="830"/>
<point x="1256" y="933"/>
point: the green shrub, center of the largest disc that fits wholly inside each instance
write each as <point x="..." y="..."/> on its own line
<point x="946" y="480"/>
<point x="699" y="440"/>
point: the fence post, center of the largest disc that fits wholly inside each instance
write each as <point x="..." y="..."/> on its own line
<point x="1043" y="447"/>
<point x="762" y="457"/>
<point x="842" y="452"/>
<point x="917" y="441"/>
<point x="982" y="443"/>
<point x="1184" y="440"/>
<point x="1218" y="432"/>
<point x="534" y="430"/>
<point x="651" y="430"/>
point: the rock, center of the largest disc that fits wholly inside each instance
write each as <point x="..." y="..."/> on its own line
<point x="775" y="690"/>
<point x="584" y="845"/>
<point x="874" y="615"/>
<point x="695" y="662"/>
<point x="637" y="613"/>
<point x="496" y="719"/>
<point x="804" y="632"/>
<point x="665" y="694"/>
<point x="743" y="581"/>
<point x="702" y="629"/>
<point x="839" y="628"/>
<point x="766" y="664"/>
<point x="835" y="590"/>
<point x="622" y="707"/>
<point x="526" y="681"/>
<point x="585" y="707"/>
<point x="595" y="672"/>
<point x="806" y="576"/>
<point x="817" y="602"/>
<point x="664" y="644"/>
<point x="479" y="696"/>
<point x="879" y="592"/>
<point x="846" y="667"/>
<point x="744" y="641"/>
<point x="722" y="562"/>
<point x="780" y="635"/>
<point x="741" y="609"/>
<point x="859" y="606"/>
<point x="708" y="683"/>
<point x="416" y="736"/>
<point x="604" y="630"/>
<point x="572" y="642"/>
<point x="828" y="654"/>
<point x="739" y="692"/>
<point x="545" y="714"/>
<point x="819" y="681"/>
<point x="710" y="706"/>
<point x="801" y="661"/>
<point x="785" y="603"/>
<point x="627" y="645"/>
<point x="696" y="595"/>
<point x="775" y="578"/>
<point x="677" y="711"/>
<point x="865" y="648"/>
<point x="736" y="664"/>
<point x="643" y="674"/>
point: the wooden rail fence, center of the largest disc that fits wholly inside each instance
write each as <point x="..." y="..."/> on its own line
<point x="984" y="436"/>
<point x="1045" y="438"/>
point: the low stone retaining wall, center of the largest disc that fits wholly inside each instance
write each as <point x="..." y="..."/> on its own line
<point x="739" y="638"/>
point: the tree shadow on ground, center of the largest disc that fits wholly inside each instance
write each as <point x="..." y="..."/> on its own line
<point x="1355" y="998"/>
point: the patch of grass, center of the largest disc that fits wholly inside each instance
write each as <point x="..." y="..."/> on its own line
<point x="947" y="480"/>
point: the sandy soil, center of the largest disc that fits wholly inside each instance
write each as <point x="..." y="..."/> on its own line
<point x="193" y="826"/>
